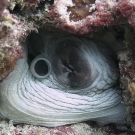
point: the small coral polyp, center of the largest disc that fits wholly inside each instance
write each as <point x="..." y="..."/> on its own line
<point x="81" y="9"/>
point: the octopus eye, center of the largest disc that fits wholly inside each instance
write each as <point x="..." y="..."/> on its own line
<point x="71" y="64"/>
<point x="40" y="67"/>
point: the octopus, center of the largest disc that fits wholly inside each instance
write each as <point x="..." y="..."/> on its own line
<point x="59" y="78"/>
<point x="63" y="79"/>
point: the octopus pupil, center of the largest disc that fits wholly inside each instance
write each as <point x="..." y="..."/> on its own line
<point x="41" y="67"/>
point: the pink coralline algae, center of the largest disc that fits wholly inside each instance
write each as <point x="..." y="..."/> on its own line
<point x="80" y="16"/>
<point x="127" y="66"/>
<point x="84" y="16"/>
<point x="75" y="129"/>
<point x="32" y="3"/>
<point x="127" y="9"/>
<point x="11" y="33"/>
<point x="3" y="5"/>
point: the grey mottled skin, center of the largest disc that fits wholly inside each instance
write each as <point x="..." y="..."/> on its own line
<point x="82" y="85"/>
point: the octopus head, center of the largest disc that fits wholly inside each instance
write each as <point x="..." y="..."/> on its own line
<point x="63" y="80"/>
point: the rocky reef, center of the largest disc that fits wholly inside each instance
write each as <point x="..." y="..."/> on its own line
<point x="18" y="18"/>
<point x="76" y="129"/>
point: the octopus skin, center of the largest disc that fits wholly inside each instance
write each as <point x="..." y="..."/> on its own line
<point x="64" y="96"/>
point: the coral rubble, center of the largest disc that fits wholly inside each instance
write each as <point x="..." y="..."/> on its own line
<point x="83" y="16"/>
<point x="75" y="129"/>
<point x="127" y="70"/>
<point x="3" y="5"/>
<point x="127" y="9"/>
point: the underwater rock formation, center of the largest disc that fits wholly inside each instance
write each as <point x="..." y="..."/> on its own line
<point x="84" y="16"/>
<point x="24" y="3"/>
<point x="75" y="129"/>
<point x="127" y="9"/>
<point x="127" y="70"/>
<point x="39" y="14"/>
<point x="3" y="5"/>
<point x="11" y="33"/>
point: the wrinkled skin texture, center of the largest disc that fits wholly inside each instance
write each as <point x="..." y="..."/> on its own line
<point x="88" y="93"/>
<point x="127" y="11"/>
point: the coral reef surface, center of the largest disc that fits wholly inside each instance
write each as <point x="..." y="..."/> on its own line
<point x="12" y="31"/>
<point x="3" y="5"/>
<point x="84" y="16"/>
<point x="75" y="129"/>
